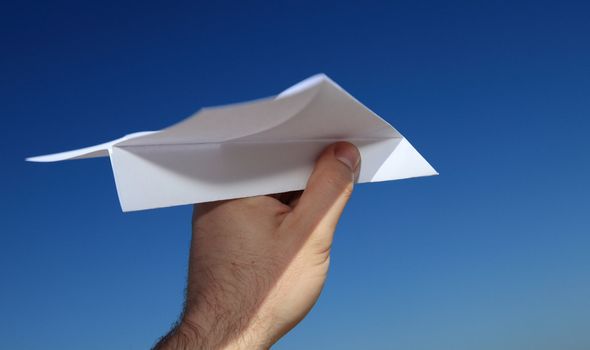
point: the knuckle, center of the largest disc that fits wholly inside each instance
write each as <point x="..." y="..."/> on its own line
<point x="320" y="252"/>
<point x="339" y="182"/>
<point x="347" y="190"/>
<point x="340" y="187"/>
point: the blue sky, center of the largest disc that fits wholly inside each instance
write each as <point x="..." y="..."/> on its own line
<point x="491" y="254"/>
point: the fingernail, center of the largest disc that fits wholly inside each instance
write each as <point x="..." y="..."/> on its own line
<point x="347" y="154"/>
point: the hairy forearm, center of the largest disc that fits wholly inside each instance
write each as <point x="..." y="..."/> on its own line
<point x="188" y="336"/>
<point x="206" y="324"/>
<point x="180" y="337"/>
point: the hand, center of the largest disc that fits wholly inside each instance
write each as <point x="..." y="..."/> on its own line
<point x="257" y="265"/>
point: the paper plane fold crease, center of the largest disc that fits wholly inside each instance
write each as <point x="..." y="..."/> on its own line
<point x="252" y="148"/>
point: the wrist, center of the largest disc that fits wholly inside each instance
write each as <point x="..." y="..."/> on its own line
<point x="223" y="333"/>
<point x="193" y="333"/>
<point x="217" y="317"/>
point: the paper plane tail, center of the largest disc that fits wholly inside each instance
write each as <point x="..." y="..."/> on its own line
<point x="101" y="150"/>
<point x="76" y="154"/>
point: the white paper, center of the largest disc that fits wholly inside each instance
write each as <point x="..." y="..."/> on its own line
<point x="252" y="148"/>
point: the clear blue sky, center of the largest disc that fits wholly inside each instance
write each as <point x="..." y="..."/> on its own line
<point x="491" y="254"/>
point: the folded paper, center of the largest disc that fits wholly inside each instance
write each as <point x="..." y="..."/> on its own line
<point x="252" y="148"/>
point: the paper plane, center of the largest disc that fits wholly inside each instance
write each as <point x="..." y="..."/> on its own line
<point x="252" y="148"/>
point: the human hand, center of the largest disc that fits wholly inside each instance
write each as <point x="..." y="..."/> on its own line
<point x="257" y="265"/>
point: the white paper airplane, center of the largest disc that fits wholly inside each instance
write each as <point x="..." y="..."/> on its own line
<point x="253" y="148"/>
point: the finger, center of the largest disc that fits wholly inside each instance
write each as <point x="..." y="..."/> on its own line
<point x="328" y="189"/>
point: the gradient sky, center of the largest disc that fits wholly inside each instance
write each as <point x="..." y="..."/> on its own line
<point x="491" y="254"/>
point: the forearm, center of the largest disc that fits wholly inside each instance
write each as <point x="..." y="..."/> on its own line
<point x="199" y="329"/>
<point x="180" y="337"/>
<point x="186" y="336"/>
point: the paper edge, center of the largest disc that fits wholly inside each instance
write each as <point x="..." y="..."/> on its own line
<point x="96" y="151"/>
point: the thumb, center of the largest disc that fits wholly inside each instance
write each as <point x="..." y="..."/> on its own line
<point x="328" y="189"/>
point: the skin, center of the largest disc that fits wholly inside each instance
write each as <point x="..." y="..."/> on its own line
<point x="257" y="265"/>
